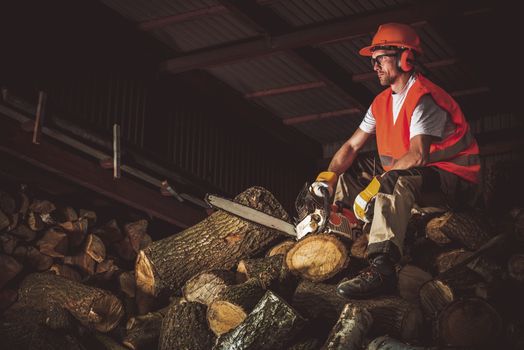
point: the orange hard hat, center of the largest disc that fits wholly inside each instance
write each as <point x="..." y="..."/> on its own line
<point x="394" y="34"/>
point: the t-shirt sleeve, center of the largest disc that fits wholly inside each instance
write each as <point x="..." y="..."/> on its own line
<point x="428" y="118"/>
<point x="368" y="124"/>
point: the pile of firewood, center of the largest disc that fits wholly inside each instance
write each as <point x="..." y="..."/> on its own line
<point x="225" y="283"/>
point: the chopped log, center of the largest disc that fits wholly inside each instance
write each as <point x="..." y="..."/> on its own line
<point x="391" y="314"/>
<point x="217" y="242"/>
<point x="54" y="243"/>
<point x="448" y="259"/>
<point x="23" y="232"/>
<point x="233" y="305"/>
<point x="146" y="303"/>
<point x="359" y="248"/>
<point x="469" y="324"/>
<point x="10" y="267"/>
<point x="109" y="232"/>
<point x="469" y="229"/>
<point x="41" y="206"/>
<point x="126" y="281"/>
<point x="145" y="242"/>
<point x="7" y="298"/>
<point x="76" y="231"/>
<point x="107" y="268"/>
<point x="8" y="243"/>
<point x="317" y="257"/>
<point x="124" y="249"/>
<point x="89" y="215"/>
<point x="270" y="325"/>
<point x="65" y="214"/>
<point x="516" y="267"/>
<point x="4" y="221"/>
<point x="135" y="231"/>
<point x="410" y="279"/>
<point x="95" y="248"/>
<point x="7" y="203"/>
<point x="66" y="272"/>
<point x="387" y="343"/>
<point x="34" y="221"/>
<point x="433" y="231"/>
<point x="350" y="329"/>
<point x="184" y="327"/>
<point x="435" y="295"/>
<point x="36" y="260"/>
<point x="271" y="272"/>
<point x="205" y="287"/>
<point x="142" y="332"/>
<point x="93" y="307"/>
<point x="281" y="248"/>
<point x="82" y="260"/>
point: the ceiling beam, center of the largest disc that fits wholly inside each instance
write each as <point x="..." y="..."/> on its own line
<point x="161" y="22"/>
<point x="286" y="89"/>
<point x="314" y="35"/>
<point x="56" y="159"/>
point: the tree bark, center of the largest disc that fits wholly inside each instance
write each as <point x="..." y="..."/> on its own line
<point x="270" y="325"/>
<point x="205" y="287"/>
<point x="218" y="242"/>
<point x="271" y="272"/>
<point x="184" y="327"/>
<point x="317" y="257"/>
<point x="435" y="295"/>
<point x="391" y="314"/>
<point x="350" y="329"/>
<point x="410" y="279"/>
<point x="142" y="332"/>
<point x="47" y="294"/>
<point x="281" y="248"/>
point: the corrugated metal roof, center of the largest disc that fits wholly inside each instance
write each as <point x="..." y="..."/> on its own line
<point x="304" y="12"/>
<point x="331" y="129"/>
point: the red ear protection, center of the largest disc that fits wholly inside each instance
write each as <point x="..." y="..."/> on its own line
<point x="405" y="60"/>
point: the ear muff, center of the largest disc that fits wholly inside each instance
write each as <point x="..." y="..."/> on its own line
<point x="405" y="60"/>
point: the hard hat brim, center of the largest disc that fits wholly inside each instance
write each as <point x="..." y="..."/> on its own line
<point x="368" y="50"/>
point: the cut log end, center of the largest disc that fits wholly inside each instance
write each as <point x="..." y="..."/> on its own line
<point x="108" y="311"/>
<point x="224" y="316"/>
<point x="145" y="276"/>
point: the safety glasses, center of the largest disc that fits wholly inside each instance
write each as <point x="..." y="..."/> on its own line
<point x="378" y="60"/>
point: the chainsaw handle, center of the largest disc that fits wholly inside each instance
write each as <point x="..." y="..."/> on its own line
<point x="327" y="207"/>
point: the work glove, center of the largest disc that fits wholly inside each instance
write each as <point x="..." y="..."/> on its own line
<point x="327" y="180"/>
<point x="364" y="202"/>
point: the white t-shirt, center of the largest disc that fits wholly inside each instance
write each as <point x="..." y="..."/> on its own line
<point x="427" y="118"/>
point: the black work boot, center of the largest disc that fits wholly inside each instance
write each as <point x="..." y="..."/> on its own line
<point x="379" y="278"/>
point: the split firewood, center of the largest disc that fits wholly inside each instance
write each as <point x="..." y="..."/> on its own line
<point x="142" y="332"/>
<point x="89" y="215"/>
<point x="233" y="305"/>
<point x="54" y="243"/>
<point x="317" y="257"/>
<point x="281" y="248"/>
<point x="468" y="229"/>
<point x="126" y="281"/>
<point x="516" y="267"/>
<point x="435" y="295"/>
<point x="7" y="298"/>
<point x="272" y="273"/>
<point x="107" y="269"/>
<point x="95" y="248"/>
<point x="23" y="232"/>
<point x="350" y="330"/>
<point x="391" y="314"/>
<point x="46" y="293"/>
<point x="217" y="242"/>
<point x="205" y="287"/>
<point x="83" y="261"/>
<point x="8" y="243"/>
<point x="270" y="325"/>
<point x="10" y="267"/>
<point x="124" y="249"/>
<point x="469" y="324"/>
<point x="387" y="343"/>
<point x="66" y="272"/>
<point x="184" y="327"/>
<point x="42" y="206"/>
<point x="76" y="231"/>
<point x="4" y="221"/>
<point x="66" y="214"/>
<point x="34" y="221"/>
<point x="109" y="232"/>
<point x="36" y="260"/>
<point x="136" y="231"/>
<point x="410" y="279"/>
<point x="433" y="231"/>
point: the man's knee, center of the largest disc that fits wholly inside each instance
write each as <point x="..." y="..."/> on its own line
<point x="389" y="180"/>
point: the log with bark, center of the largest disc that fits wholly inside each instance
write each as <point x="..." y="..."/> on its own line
<point x="95" y="248"/>
<point x="184" y="327"/>
<point x="233" y="305"/>
<point x="136" y="231"/>
<point x="388" y="343"/>
<point x="51" y="296"/>
<point x="217" y="242"/>
<point x="410" y="279"/>
<point x="66" y="272"/>
<point x="76" y="231"/>
<point x="205" y="287"/>
<point x="317" y="257"/>
<point x="271" y="325"/>
<point x="391" y="314"/>
<point x="142" y="332"/>
<point x="54" y="243"/>
<point x="350" y="330"/>
<point x="281" y="248"/>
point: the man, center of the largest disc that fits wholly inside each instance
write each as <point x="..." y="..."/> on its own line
<point x="424" y="146"/>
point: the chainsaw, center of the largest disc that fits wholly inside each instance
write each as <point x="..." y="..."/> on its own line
<point x="315" y="215"/>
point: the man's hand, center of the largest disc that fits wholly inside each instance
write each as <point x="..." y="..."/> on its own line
<point x="364" y="201"/>
<point x="325" y="180"/>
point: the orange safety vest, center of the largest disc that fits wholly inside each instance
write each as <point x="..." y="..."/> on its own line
<point x="458" y="153"/>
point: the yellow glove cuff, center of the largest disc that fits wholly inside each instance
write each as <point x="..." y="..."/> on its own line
<point x="328" y="177"/>
<point x="364" y="198"/>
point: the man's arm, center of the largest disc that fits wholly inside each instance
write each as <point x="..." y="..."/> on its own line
<point x="418" y="153"/>
<point x="347" y="153"/>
